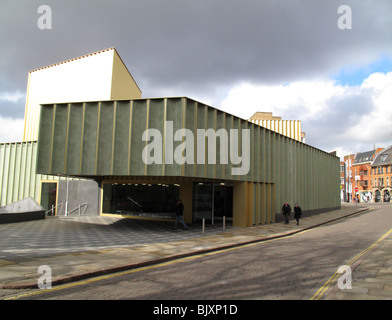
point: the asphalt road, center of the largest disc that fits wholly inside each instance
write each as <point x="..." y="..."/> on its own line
<point x="291" y="268"/>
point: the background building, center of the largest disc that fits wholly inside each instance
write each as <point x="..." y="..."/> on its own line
<point x="348" y="160"/>
<point x="362" y="175"/>
<point x="288" y="128"/>
<point x="343" y="188"/>
<point x="368" y="176"/>
<point x="381" y="169"/>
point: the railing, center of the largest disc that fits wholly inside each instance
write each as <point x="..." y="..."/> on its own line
<point x="79" y="208"/>
<point x="52" y="210"/>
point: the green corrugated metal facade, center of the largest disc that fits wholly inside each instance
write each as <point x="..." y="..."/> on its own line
<point x="18" y="178"/>
<point x="104" y="139"/>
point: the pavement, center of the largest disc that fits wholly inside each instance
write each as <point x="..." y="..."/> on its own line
<point x="78" y="248"/>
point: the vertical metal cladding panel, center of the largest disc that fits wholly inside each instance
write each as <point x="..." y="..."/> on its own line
<point x="156" y="121"/>
<point x="75" y="124"/>
<point x="222" y="149"/>
<point x="273" y="157"/>
<point x="236" y="125"/>
<point x="103" y="162"/>
<point x="256" y="166"/>
<point x="17" y="175"/>
<point x="174" y="115"/>
<point x="210" y="124"/>
<point x="11" y="172"/>
<point x="263" y="155"/>
<point x="45" y="138"/>
<point x="89" y="138"/>
<point x="252" y="152"/>
<point x="229" y="120"/>
<point x="120" y="153"/>
<point x="189" y="169"/>
<point x="247" y="157"/>
<point x="138" y="126"/>
<point x="277" y="159"/>
<point x="58" y="141"/>
<point x="201" y="168"/>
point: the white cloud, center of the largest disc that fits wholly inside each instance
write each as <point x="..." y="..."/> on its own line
<point x="376" y="125"/>
<point x="304" y="99"/>
<point x="337" y="117"/>
<point x="11" y="96"/>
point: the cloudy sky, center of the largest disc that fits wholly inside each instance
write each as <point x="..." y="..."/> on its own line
<point x="289" y="57"/>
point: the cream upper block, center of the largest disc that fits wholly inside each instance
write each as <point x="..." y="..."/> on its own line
<point x="87" y="78"/>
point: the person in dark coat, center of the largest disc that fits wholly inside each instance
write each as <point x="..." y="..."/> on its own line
<point x="180" y="212"/>
<point x="286" y="209"/>
<point x="297" y="213"/>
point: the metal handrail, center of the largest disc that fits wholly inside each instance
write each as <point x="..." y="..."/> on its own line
<point x="78" y="207"/>
<point x="52" y="210"/>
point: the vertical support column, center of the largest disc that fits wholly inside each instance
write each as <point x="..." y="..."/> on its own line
<point x="240" y="204"/>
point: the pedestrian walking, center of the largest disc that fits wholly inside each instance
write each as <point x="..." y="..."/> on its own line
<point x="286" y="209"/>
<point x="180" y="212"/>
<point x="297" y="212"/>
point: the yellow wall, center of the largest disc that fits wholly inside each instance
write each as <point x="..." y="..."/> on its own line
<point x="288" y="128"/>
<point x="123" y="84"/>
<point x="253" y="203"/>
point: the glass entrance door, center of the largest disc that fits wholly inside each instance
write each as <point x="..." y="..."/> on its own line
<point x="202" y="201"/>
<point x="212" y="201"/>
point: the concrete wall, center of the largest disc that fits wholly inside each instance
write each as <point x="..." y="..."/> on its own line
<point x="85" y="193"/>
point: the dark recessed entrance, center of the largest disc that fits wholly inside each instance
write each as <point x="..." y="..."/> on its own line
<point x="141" y="199"/>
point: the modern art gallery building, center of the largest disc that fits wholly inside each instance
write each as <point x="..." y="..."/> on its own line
<point x="133" y="156"/>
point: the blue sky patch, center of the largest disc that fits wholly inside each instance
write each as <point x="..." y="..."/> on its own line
<point x="354" y="75"/>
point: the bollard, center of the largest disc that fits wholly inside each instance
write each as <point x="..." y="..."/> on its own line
<point x="203" y="226"/>
<point x="224" y="223"/>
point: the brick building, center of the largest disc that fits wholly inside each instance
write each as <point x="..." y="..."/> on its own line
<point x="359" y="176"/>
<point x="381" y="170"/>
<point x="343" y="188"/>
<point x="348" y="160"/>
